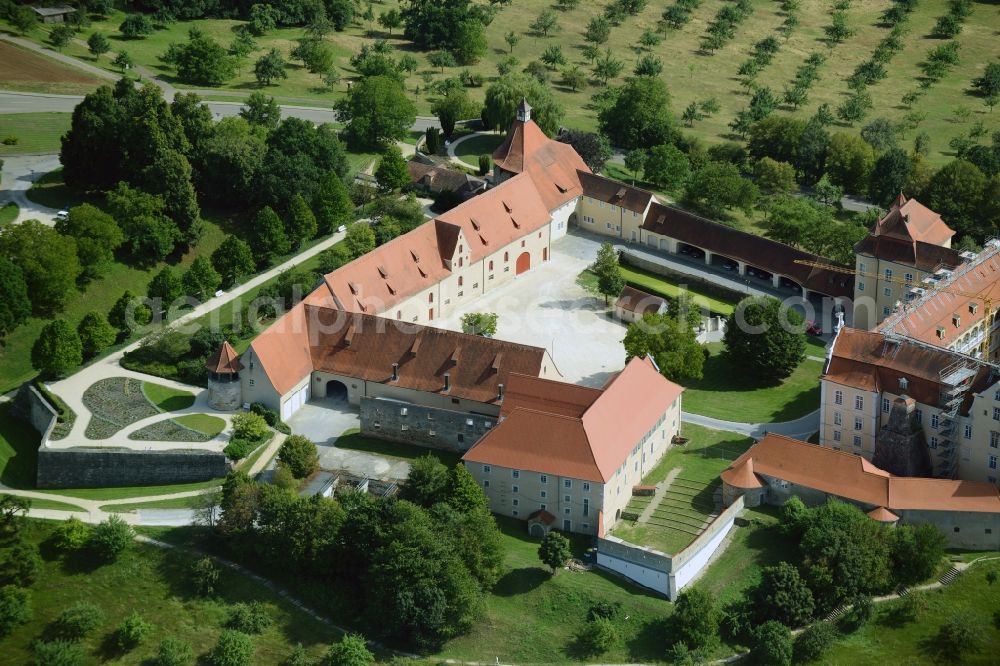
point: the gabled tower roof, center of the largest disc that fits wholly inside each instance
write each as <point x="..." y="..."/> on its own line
<point x="225" y="361"/>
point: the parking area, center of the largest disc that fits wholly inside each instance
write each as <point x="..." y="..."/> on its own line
<point x="545" y="307"/>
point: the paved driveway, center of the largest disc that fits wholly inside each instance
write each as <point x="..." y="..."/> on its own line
<point x="19" y="172"/>
<point x="545" y="307"/>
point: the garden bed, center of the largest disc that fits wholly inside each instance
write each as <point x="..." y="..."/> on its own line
<point x="169" y="430"/>
<point x="115" y="403"/>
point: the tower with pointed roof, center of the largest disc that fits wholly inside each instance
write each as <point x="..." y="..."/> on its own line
<point x="224" y="389"/>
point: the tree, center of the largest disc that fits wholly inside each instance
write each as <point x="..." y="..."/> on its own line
<point x="838" y="30"/>
<point x="15" y="306"/>
<point x="23" y="18"/>
<point x="635" y="161"/>
<point x="988" y="85"/>
<point x="512" y="40"/>
<point x="855" y="107"/>
<point x="377" y="111"/>
<point x="774" y="177"/>
<point x="719" y="186"/>
<point x="764" y="339"/>
<point x="234" y="648"/>
<point x="123" y="61"/>
<point x="598" y="30"/>
<point x="554" y="551"/>
<point x="111" y="538"/>
<point x="263" y="19"/>
<point x="15" y="608"/>
<point x="607" y="67"/>
<point x="956" y="192"/>
<point x="78" y="620"/>
<point x="553" y="56"/>
<point x="610" y="280"/>
<point x="881" y="134"/>
<point x="598" y="636"/>
<point x="59" y="652"/>
<point x="593" y="148"/>
<point x="132" y="631"/>
<point x="889" y="175"/>
<point x="648" y="65"/>
<point x="299" y="154"/>
<point x="250" y="618"/>
<point x="57" y="350"/>
<point x="695" y="620"/>
<point x="670" y="341"/>
<point x="129" y="313"/>
<point x="205" y="576"/>
<point x="299" y="455"/>
<point x="350" y="650"/>
<point x="359" y="239"/>
<point x="392" y="172"/>
<point x="136" y="26"/>
<point x="261" y="110"/>
<point x="202" y="60"/>
<point x="441" y="59"/>
<point x="916" y="550"/>
<point x="95" y="334"/>
<point x="150" y="235"/>
<point x="504" y="96"/>
<point x="21" y="565"/>
<point x="270" y="67"/>
<point x="233" y="260"/>
<point x="782" y="595"/>
<point x="777" y="137"/>
<point x="850" y="161"/>
<point x="640" y="116"/>
<point x="772" y="644"/>
<point x="332" y="204"/>
<point x="813" y="642"/>
<point x="961" y="634"/>
<point x="71" y="535"/>
<point x="574" y="78"/>
<point x="427" y="482"/>
<point x="667" y="166"/>
<point x="480" y="323"/>
<point x="546" y="22"/>
<point x="173" y="652"/>
<point x="390" y="20"/>
<point x="166" y="286"/>
<point x="97" y="236"/>
<point x="47" y="260"/>
<point x="300" y="224"/>
<point x="201" y="279"/>
<point x="470" y="42"/>
<point x="451" y="108"/>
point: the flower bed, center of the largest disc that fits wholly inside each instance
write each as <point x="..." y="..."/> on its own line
<point x="115" y="402"/>
<point x="168" y="430"/>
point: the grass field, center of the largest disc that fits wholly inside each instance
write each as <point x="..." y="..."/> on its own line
<point x="690" y="74"/>
<point x="167" y="399"/>
<point x="206" y="423"/>
<point x="656" y="284"/>
<point x="723" y="395"/>
<point x="27" y="71"/>
<point x="53" y="504"/>
<point x="175" y="503"/>
<point x="156" y="583"/>
<point x="688" y="502"/>
<point x="35" y="132"/>
<point x="482" y="144"/>
<point x="353" y="440"/>
<point x="8" y="213"/>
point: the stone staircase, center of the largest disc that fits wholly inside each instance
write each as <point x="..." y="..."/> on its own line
<point x="949" y="576"/>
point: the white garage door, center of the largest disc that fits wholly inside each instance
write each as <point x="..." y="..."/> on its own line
<point x="295" y="402"/>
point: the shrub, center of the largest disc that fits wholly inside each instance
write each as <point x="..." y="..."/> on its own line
<point x="20" y="565"/>
<point x="484" y="164"/>
<point x="298" y="657"/>
<point x="238" y="449"/>
<point x="15" y="608"/>
<point x="110" y="538"/>
<point x="350" y="650"/>
<point x="75" y="622"/>
<point x="270" y="415"/>
<point x="132" y="630"/>
<point x="173" y="652"/>
<point x="59" y="653"/>
<point x="606" y="609"/>
<point x="813" y="642"/>
<point x="299" y="455"/>
<point x="250" y="618"/>
<point x="205" y="576"/>
<point x="233" y="649"/>
<point x="598" y="636"/>
<point x="71" y="535"/>
<point x="695" y="619"/>
<point x="249" y="425"/>
<point x="772" y="645"/>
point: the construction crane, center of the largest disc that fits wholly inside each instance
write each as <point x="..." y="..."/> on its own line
<point x="986" y="300"/>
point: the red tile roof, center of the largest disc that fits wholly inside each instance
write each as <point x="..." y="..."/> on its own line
<point x="553" y="431"/>
<point x="224" y="361"/>
<point x="615" y="192"/>
<point x="852" y="477"/>
<point x="639" y="302"/>
<point x="311" y="338"/>
<point x="883" y="515"/>
<point x="742" y="476"/>
<point x="911" y="234"/>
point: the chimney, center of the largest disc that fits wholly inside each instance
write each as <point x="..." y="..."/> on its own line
<point x="447" y="382"/>
<point x="499" y="392"/>
<point x="395" y="372"/>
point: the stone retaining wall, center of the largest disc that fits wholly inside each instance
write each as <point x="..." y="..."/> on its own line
<point x="31" y="406"/>
<point x="85" y="467"/>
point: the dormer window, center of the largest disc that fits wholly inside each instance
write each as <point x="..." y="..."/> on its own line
<point x="956" y="320"/>
<point x="973" y="307"/>
<point x="903" y="383"/>
<point x="940" y="332"/>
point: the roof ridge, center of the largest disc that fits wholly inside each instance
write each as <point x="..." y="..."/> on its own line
<point x="521" y="408"/>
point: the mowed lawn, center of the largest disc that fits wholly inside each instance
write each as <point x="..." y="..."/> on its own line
<point x="156" y="583"/>
<point x="723" y="394"/>
<point x="165" y="398"/>
<point x="34" y="132"/>
<point x="353" y="440"/>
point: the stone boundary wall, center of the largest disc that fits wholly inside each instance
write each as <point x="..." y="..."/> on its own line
<point x="384" y="418"/>
<point x="704" y="285"/>
<point x="85" y="467"/>
<point x="663" y="573"/>
<point x="31" y="406"/>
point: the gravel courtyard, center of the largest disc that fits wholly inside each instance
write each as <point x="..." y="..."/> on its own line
<point x="545" y="307"/>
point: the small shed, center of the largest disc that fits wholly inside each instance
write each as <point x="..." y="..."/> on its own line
<point x="54" y="14"/>
<point x="540" y="523"/>
<point x="634" y="303"/>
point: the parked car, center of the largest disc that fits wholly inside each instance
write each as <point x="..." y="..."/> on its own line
<point x="62" y="215"/>
<point x="729" y="265"/>
<point x="812" y="328"/>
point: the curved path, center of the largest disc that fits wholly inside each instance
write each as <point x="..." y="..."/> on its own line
<point x="800" y="428"/>
<point x="454" y="144"/>
<point x="19" y="173"/>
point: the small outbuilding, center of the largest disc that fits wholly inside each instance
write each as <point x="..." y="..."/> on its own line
<point x="540" y="523"/>
<point x="634" y="303"/>
<point x="54" y="14"/>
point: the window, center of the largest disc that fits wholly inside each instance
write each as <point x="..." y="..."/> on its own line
<point x="399" y="314"/>
<point x="515" y="473"/>
<point x="566" y="511"/>
<point x="886" y="405"/>
<point x="461" y="248"/>
<point x="933" y="442"/>
<point x="514" y="489"/>
<point x="838" y="398"/>
<point x="542" y="507"/>
<point x="994" y="439"/>
<point x="968" y="432"/>
<point x="903" y="382"/>
<point x="908" y="277"/>
<point x="920" y="416"/>
<point x="460" y="281"/>
<point x="543" y="479"/>
<point x="857" y="440"/>
<point x="888" y="274"/>
<point x="837" y="419"/>
<point x="430" y="297"/>
<point x="887" y="291"/>
<point x="506" y="256"/>
<point x="514" y="513"/>
<point x="585" y="526"/>
<point x="586" y="487"/>
<point x="567" y="499"/>
<point x="836" y="435"/>
<point x="460" y="262"/>
<point x="567" y="483"/>
<point x="993" y="462"/>
<point x="858" y="423"/>
<point x="486" y="484"/>
<point x="861" y="268"/>
<point x="514" y="502"/>
<point x="491" y="264"/>
<point x="486" y="469"/>
<point x="996" y="413"/>
<point x="935" y="420"/>
<point x="609" y="225"/>
<point x="886" y="311"/>
<point x="544" y="494"/>
<point x="859" y="402"/>
<point x="586" y="506"/>
<point x="251" y="382"/>
<point x="861" y="286"/>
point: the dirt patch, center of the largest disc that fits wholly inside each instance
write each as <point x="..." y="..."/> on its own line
<point x="17" y="64"/>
